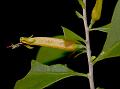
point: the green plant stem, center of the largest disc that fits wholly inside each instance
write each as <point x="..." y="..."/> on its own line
<point x="90" y="74"/>
<point x="91" y="24"/>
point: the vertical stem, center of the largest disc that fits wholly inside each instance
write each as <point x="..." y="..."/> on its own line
<point x="90" y="75"/>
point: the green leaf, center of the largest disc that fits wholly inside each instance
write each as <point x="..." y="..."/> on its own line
<point x="104" y="28"/>
<point x="78" y="15"/>
<point x="114" y="33"/>
<point x="114" y="51"/>
<point x="112" y="44"/>
<point x="46" y="55"/>
<point x="41" y="76"/>
<point x="69" y="35"/>
<point x="81" y="3"/>
<point x="100" y="88"/>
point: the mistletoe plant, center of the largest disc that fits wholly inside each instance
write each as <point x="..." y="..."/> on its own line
<point x="41" y="75"/>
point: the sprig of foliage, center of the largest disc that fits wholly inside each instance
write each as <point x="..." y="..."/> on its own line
<point x="41" y="75"/>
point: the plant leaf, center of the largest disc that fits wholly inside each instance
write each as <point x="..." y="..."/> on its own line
<point x="69" y="35"/>
<point x="81" y="3"/>
<point x="112" y="44"/>
<point x="78" y="14"/>
<point x="114" y="33"/>
<point x="41" y="76"/>
<point x="100" y="88"/>
<point x="114" y="51"/>
<point x="46" y="55"/>
<point x="104" y="28"/>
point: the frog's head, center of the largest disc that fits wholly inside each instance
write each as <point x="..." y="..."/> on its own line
<point x="26" y="40"/>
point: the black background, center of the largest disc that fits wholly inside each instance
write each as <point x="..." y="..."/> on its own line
<point x="45" y="18"/>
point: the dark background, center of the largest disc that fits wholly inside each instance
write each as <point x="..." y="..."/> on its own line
<point x="45" y="18"/>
